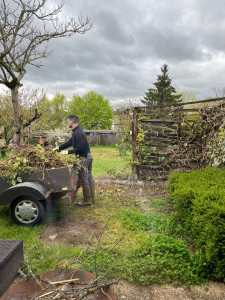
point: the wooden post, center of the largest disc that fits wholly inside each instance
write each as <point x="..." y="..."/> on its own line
<point x="134" y="144"/>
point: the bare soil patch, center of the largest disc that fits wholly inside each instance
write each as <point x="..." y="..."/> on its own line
<point x="71" y="231"/>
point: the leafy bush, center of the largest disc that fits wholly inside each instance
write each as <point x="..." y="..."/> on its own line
<point x="162" y="259"/>
<point x="199" y="199"/>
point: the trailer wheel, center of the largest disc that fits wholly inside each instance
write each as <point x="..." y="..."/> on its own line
<point x="27" y="211"/>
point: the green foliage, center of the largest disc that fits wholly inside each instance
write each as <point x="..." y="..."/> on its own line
<point x="93" y="110"/>
<point x="198" y="198"/>
<point x="164" y="93"/>
<point x="124" y="146"/>
<point x="151" y="250"/>
<point x="34" y="158"/>
<point x="162" y="259"/>
<point x="58" y="106"/>
<point x="16" y="167"/>
<point x="6" y="117"/>
<point x="144" y="152"/>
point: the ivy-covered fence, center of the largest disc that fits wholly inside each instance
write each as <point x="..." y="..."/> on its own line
<point x="181" y="136"/>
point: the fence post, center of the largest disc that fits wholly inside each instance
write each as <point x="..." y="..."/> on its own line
<point x="134" y="144"/>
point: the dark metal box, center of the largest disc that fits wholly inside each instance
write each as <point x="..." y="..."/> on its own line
<point x="11" y="257"/>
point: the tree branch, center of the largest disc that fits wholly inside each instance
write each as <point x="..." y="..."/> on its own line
<point x="32" y="119"/>
<point x="21" y="41"/>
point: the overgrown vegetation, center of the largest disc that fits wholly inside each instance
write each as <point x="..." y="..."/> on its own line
<point x="198" y="199"/>
<point x="140" y="237"/>
<point x="28" y="159"/>
<point x="162" y="259"/>
<point x="178" y="137"/>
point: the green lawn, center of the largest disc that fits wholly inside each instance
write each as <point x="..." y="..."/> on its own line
<point x="107" y="162"/>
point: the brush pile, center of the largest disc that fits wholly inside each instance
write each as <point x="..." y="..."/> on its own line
<point x="29" y="159"/>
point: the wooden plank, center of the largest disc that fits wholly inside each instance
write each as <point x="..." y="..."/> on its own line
<point x="161" y="137"/>
<point x="160" y="121"/>
<point x="185" y="103"/>
<point x="160" y="128"/>
<point x="151" y="112"/>
<point x="155" y="127"/>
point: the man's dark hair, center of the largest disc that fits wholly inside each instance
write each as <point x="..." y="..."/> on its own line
<point x="74" y="119"/>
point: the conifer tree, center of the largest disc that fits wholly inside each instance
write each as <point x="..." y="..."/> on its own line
<point x="164" y="93"/>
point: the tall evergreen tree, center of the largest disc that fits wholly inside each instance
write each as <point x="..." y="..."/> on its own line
<point x="164" y="93"/>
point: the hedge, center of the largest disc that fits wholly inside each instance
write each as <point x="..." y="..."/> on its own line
<point x="199" y="200"/>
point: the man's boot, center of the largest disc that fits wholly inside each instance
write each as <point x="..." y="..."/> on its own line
<point x="87" y="197"/>
<point x="92" y="190"/>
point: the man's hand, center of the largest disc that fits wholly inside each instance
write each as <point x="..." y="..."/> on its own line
<point x="56" y="149"/>
<point x="64" y="152"/>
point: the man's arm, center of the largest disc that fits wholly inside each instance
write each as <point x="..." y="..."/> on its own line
<point x="65" y="145"/>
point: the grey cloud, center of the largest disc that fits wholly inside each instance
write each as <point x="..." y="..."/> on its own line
<point x="121" y="55"/>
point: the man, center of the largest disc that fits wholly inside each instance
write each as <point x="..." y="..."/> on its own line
<point x="81" y="149"/>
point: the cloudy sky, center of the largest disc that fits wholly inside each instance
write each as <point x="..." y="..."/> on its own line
<point x="121" y="56"/>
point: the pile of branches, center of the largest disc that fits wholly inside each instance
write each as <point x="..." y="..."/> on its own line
<point x="213" y="134"/>
<point x="25" y="159"/>
<point x="71" y="288"/>
<point x="204" y="145"/>
<point x="70" y="282"/>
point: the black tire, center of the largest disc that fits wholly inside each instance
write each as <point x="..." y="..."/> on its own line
<point x="27" y="211"/>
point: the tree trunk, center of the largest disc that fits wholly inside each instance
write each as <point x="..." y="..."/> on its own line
<point x="18" y="124"/>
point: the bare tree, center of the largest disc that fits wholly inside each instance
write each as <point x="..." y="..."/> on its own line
<point x="26" y="27"/>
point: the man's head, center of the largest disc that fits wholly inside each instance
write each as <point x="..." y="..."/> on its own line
<point x="73" y="121"/>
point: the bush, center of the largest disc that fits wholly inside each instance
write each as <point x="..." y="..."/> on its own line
<point x="161" y="259"/>
<point x="199" y="199"/>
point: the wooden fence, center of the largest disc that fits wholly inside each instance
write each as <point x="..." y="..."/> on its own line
<point x="166" y="138"/>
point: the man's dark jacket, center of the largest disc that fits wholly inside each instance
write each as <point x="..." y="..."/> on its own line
<point x="79" y="143"/>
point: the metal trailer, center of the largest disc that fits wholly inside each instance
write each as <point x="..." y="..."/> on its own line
<point x="32" y="199"/>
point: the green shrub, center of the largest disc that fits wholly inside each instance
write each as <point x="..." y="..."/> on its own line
<point x="199" y="199"/>
<point x="161" y="259"/>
